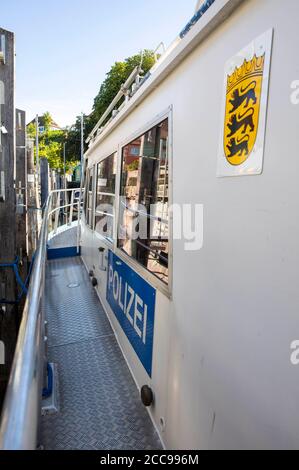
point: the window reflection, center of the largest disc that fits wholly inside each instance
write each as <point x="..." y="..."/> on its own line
<point x="105" y="202"/>
<point x="144" y="200"/>
<point x="88" y="198"/>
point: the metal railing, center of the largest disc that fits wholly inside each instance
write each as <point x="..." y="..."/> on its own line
<point x="125" y="91"/>
<point x="22" y="406"/>
<point x="65" y="208"/>
<point x="65" y="211"/>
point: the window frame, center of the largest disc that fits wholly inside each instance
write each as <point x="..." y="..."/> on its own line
<point x="166" y="289"/>
<point x="90" y="173"/>
<point x="99" y="235"/>
<point x="86" y="184"/>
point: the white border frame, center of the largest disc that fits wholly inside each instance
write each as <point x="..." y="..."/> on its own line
<point x="254" y="164"/>
<point x="98" y="235"/>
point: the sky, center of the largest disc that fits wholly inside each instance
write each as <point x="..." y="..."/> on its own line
<point x="64" y="48"/>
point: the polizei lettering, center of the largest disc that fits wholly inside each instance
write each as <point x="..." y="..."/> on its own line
<point x="133" y="301"/>
<point x="130" y="303"/>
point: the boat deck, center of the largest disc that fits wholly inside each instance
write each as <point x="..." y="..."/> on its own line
<point x="65" y="239"/>
<point x="98" y="401"/>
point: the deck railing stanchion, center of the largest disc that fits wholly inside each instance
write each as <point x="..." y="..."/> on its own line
<point x="57" y="212"/>
<point x="72" y="207"/>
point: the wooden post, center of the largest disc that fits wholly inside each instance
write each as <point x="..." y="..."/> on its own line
<point x="44" y="180"/>
<point x="8" y="317"/>
<point x="32" y="200"/>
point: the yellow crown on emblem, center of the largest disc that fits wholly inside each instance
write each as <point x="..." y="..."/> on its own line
<point x="249" y="68"/>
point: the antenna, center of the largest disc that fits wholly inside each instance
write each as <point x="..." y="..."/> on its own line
<point x="82" y="143"/>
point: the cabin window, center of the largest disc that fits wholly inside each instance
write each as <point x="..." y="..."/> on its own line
<point x="105" y="202"/>
<point x="143" y="230"/>
<point x="86" y="184"/>
<point x="88" y="198"/>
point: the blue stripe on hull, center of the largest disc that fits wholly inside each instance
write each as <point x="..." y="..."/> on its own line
<point x="59" y="253"/>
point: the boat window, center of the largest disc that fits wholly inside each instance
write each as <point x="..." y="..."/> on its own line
<point x="86" y="185"/>
<point x="105" y="202"/>
<point x="88" y="198"/>
<point x="143" y="230"/>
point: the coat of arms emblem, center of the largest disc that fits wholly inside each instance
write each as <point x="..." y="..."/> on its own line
<point x="243" y="99"/>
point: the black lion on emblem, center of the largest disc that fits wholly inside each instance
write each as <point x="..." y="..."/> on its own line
<point x="244" y="120"/>
<point x="238" y="147"/>
<point x="245" y="94"/>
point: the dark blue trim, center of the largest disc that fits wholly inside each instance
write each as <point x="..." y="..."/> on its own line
<point x="196" y="17"/>
<point x="47" y="392"/>
<point x="60" y="253"/>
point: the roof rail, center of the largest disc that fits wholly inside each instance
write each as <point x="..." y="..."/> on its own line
<point x="124" y="91"/>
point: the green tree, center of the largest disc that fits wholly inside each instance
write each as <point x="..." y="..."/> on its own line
<point x="47" y="120"/>
<point x="74" y="138"/>
<point x="115" y="78"/>
<point x="51" y="145"/>
<point x="31" y="130"/>
<point x="51" y="142"/>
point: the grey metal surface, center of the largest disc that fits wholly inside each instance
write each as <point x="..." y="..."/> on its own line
<point x="65" y="239"/>
<point x="74" y="314"/>
<point x="99" y="403"/>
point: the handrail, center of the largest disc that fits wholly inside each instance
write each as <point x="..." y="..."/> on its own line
<point x="22" y="405"/>
<point x="65" y="205"/>
<point x="124" y="90"/>
<point x="59" y="208"/>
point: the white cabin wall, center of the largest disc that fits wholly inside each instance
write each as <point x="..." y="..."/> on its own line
<point x="235" y="301"/>
<point x="234" y="309"/>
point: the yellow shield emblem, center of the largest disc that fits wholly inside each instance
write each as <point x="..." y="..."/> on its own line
<point x="243" y="100"/>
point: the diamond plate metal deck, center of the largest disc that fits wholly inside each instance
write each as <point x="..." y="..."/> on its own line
<point x="99" y="403"/>
<point x="74" y="314"/>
